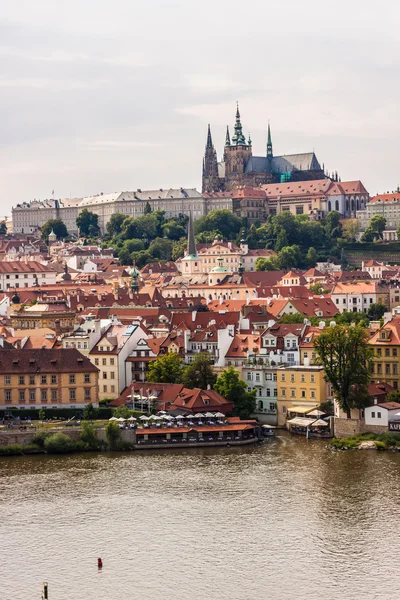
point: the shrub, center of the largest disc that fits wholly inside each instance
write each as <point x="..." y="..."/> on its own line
<point x="88" y="439"/>
<point x="18" y="449"/>
<point x="40" y="438"/>
<point x="380" y="445"/>
<point x="59" y="443"/>
<point x="113" y="435"/>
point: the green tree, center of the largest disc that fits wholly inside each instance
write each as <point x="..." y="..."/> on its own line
<point x="167" y="368"/>
<point x="345" y="354"/>
<point x="179" y="249"/>
<point x="268" y="264"/>
<point x="333" y="227"/>
<point x="311" y="257"/>
<point x="173" y="230"/>
<point x="122" y="411"/>
<point x="369" y="235"/>
<point x="351" y="230"/>
<point x="318" y="289"/>
<point x="133" y="245"/>
<point x="393" y="396"/>
<point x="59" y="443"/>
<point x="125" y="257"/>
<point x="376" y="312"/>
<point x="141" y="258"/>
<point x="88" y="437"/>
<point x="207" y="237"/>
<point x="292" y="318"/>
<point x="3" y="228"/>
<point x="113" y="435"/>
<point x="281" y="240"/>
<point x="55" y="225"/>
<point x="234" y="389"/>
<point x="378" y="225"/>
<point x="160" y="249"/>
<point x="199" y="374"/>
<point x="147" y="208"/>
<point x="115" y="223"/>
<point x="88" y="223"/>
<point x="145" y="226"/>
<point x="42" y="414"/>
<point x="220" y="220"/>
<point x="289" y="257"/>
<point x="89" y="412"/>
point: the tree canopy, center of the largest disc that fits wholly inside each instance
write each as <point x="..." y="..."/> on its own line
<point x="234" y="389"/>
<point x="224" y="221"/>
<point x="88" y="223"/>
<point x="345" y="354"/>
<point x="55" y="225"/>
<point x="199" y="374"/>
<point x="167" y="368"/>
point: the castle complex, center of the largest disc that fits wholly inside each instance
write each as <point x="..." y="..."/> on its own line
<point x="240" y="168"/>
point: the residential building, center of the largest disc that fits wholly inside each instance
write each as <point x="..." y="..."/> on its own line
<point x="385" y="205"/>
<point x="386" y="360"/>
<point x="359" y="295"/>
<point x="41" y="378"/>
<point x="260" y="374"/>
<point x="380" y="414"/>
<point x="300" y="387"/>
<point x="21" y="274"/>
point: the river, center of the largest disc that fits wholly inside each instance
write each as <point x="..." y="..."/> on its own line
<point x="285" y="520"/>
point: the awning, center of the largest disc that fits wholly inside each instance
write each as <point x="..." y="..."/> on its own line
<point x="316" y="413"/>
<point x="302" y="410"/>
<point x="320" y="423"/>
<point x="300" y="422"/>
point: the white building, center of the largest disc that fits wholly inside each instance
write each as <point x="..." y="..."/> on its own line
<point x="384" y="205"/>
<point x="358" y="296"/>
<point x="29" y="216"/>
<point x="20" y="274"/>
<point x="381" y="414"/>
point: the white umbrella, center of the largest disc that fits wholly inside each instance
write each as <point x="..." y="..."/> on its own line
<point x="156" y="418"/>
<point x="132" y="419"/>
<point x="169" y="417"/>
<point x="179" y="417"/>
<point x="219" y="415"/>
<point x="198" y="416"/>
<point x="144" y="418"/>
<point x="209" y="415"/>
<point x="121" y="420"/>
<point x="113" y="419"/>
<point x="189" y="417"/>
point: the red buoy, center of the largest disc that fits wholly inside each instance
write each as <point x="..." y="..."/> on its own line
<point x="99" y="563"/>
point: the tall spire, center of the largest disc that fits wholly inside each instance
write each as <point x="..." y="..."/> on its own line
<point x="269" y="143"/>
<point x="238" y="138"/>
<point x="209" y="138"/>
<point x="191" y="247"/>
<point x="228" y="137"/>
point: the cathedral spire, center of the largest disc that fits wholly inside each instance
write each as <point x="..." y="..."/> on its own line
<point x="238" y="138"/>
<point x="228" y="137"/>
<point x="209" y="138"/>
<point x="269" y="143"/>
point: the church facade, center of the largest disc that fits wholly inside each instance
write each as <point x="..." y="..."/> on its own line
<point x="240" y="168"/>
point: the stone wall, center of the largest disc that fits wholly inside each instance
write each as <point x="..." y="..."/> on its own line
<point x="347" y="427"/>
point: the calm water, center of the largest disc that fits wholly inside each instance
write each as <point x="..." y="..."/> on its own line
<point x="288" y="519"/>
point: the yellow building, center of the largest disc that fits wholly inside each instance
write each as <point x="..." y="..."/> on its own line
<point x="300" y="387"/>
<point x="40" y="378"/>
<point x="386" y="360"/>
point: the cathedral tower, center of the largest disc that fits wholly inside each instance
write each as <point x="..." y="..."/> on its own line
<point x="237" y="153"/>
<point x="210" y="166"/>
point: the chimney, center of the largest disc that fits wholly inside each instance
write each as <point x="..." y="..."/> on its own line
<point x="1" y="341"/>
<point x="57" y="327"/>
<point x="194" y="313"/>
<point x="97" y="326"/>
<point x="186" y="337"/>
<point x="321" y="324"/>
<point x="375" y="401"/>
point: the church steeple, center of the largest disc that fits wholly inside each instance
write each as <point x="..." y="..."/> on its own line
<point x="209" y="138"/>
<point x="238" y="138"/>
<point x="269" y="143"/>
<point x="228" y="137"/>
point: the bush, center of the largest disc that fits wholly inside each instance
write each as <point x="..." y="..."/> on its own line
<point x="88" y="439"/>
<point x="40" y="438"/>
<point x="113" y="435"/>
<point x="380" y="445"/>
<point x="59" y="443"/>
<point x="18" y="449"/>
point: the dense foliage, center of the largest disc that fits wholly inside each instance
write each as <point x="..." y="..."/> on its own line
<point x="231" y="387"/>
<point x="88" y="223"/>
<point x="55" y="225"/>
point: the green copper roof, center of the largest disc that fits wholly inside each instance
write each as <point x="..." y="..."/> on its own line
<point x="238" y="138"/>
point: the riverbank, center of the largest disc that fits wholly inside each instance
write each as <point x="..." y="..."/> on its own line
<point x="368" y="441"/>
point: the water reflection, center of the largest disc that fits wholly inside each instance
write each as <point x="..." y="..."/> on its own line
<point x="288" y="519"/>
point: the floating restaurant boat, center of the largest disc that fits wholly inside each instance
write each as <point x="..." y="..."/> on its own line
<point x="234" y="432"/>
<point x="268" y="431"/>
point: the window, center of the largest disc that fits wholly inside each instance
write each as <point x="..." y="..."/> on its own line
<point x="283" y="392"/>
<point x="248" y="376"/>
<point x="87" y="393"/>
<point x="32" y="395"/>
<point x="272" y="406"/>
<point x="294" y="344"/>
<point x="258" y="377"/>
<point x="8" y="395"/>
<point x="292" y="378"/>
<point x="104" y="375"/>
<point x="104" y="388"/>
<point x="394" y="351"/>
<point x="268" y="392"/>
<point x="373" y="415"/>
<point x="31" y="380"/>
<point x="293" y="393"/>
<point x="312" y="378"/>
<point x="54" y="395"/>
<point x="302" y="378"/>
<point x="284" y="410"/>
<point x="112" y="375"/>
<point x="303" y="393"/>
<point x="54" y="379"/>
<point x="379" y="369"/>
<point x="290" y="357"/>
<point x="44" y="395"/>
<point x="21" y="380"/>
<point x="387" y="351"/>
<point x="268" y="376"/>
<point x="113" y="390"/>
<point x="379" y="415"/>
<point x="72" y="379"/>
<point x="22" y="395"/>
<point x="96" y="361"/>
<point x="312" y="393"/>
<point x="87" y="378"/>
<point x="283" y="377"/>
<point x="395" y="369"/>
<point x="7" y="380"/>
<point x="112" y="360"/>
<point x="104" y="362"/>
<point x="43" y="379"/>
<point x="72" y="394"/>
<point x="379" y="352"/>
<point x="387" y="369"/>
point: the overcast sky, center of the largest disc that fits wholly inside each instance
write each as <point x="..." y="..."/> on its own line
<point x="100" y="95"/>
